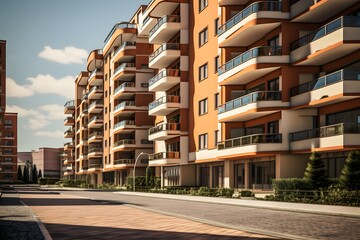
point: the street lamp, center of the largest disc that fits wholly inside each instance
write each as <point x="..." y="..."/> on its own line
<point x="142" y="153"/>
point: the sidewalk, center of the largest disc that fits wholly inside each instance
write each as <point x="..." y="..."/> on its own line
<point x="283" y="206"/>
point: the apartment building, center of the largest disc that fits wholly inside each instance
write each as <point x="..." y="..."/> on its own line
<point x="243" y="91"/>
<point x="8" y="127"/>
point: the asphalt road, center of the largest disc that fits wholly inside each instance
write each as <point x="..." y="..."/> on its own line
<point x="276" y="223"/>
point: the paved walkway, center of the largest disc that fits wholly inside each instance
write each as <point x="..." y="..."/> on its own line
<point x="72" y="217"/>
<point x="285" y="206"/>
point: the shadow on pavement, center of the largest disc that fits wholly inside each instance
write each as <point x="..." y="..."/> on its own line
<point x="20" y="230"/>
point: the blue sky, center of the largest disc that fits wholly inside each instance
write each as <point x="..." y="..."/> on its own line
<point x="47" y="46"/>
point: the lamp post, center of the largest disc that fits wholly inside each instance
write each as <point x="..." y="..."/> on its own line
<point x="142" y="153"/>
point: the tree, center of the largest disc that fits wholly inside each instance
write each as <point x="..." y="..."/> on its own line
<point x="315" y="173"/>
<point x="34" y="174"/>
<point x="40" y="174"/>
<point x="26" y="174"/>
<point x="149" y="176"/>
<point x="20" y="175"/>
<point x="350" y="174"/>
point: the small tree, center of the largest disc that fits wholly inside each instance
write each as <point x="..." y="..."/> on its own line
<point x="20" y="175"/>
<point x="26" y="174"/>
<point x="350" y="174"/>
<point x="34" y="174"/>
<point x="149" y="177"/>
<point x="315" y="173"/>
<point x="40" y="174"/>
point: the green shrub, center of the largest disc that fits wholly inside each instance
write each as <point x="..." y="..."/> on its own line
<point x="225" y="192"/>
<point x="43" y="181"/>
<point x="246" y="193"/>
<point x="315" y="173"/>
<point x="350" y="174"/>
<point x="290" y="184"/>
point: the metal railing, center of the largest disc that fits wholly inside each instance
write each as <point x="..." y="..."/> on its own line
<point x="96" y="118"/>
<point x="124" y="85"/>
<point x="253" y="8"/>
<point x="124" y="104"/>
<point x="246" y="56"/>
<point x="326" y="131"/>
<point x="124" y="123"/>
<point x="69" y="131"/>
<point x="164" y="73"/>
<point x="124" y="161"/>
<point x="122" y="67"/>
<point x="249" y="98"/>
<point x="70" y="103"/>
<point x="123" y="142"/>
<point x="164" y="47"/>
<point x="121" y="25"/>
<point x="345" y="21"/>
<point x="93" y="150"/>
<point x="251" y="139"/>
<point x="164" y="99"/>
<point x="93" y="74"/>
<point x="69" y="144"/>
<point x="338" y="76"/>
<point x="165" y="127"/>
<point x="95" y="88"/>
<point x="85" y="97"/>
<point x="164" y="155"/>
<point x="96" y="134"/>
<point x="68" y="119"/>
<point x="91" y="166"/>
<point x="122" y="47"/>
<point x="164" y="19"/>
<point x="93" y="104"/>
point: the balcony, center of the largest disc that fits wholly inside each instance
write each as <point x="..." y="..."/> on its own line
<point x="126" y="108"/>
<point x="121" y="32"/>
<point x="68" y="146"/>
<point x="124" y="90"/>
<point x="123" y="162"/>
<point x="164" y="80"/>
<point x="327" y="138"/>
<point x="223" y="3"/>
<point x="96" y="122"/>
<point x="96" y="137"/>
<point x="95" y="167"/>
<point x="69" y="133"/>
<point x="335" y="87"/>
<point x="165" y="29"/>
<point x="164" y="105"/>
<point x="164" y="55"/>
<point x="96" y="106"/>
<point x="251" y="65"/>
<point x="330" y="42"/>
<point x="158" y="8"/>
<point x="251" y="24"/>
<point x="84" y="112"/>
<point x="164" y="131"/>
<point x="82" y="79"/>
<point x="164" y="158"/>
<point x="250" y="106"/>
<point x="96" y="78"/>
<point x="69" y="107"/>
<point x="95" y="152"/>
<point x="95" y="60"/>
<point x="85" y="98"/>
<point x="251" y="145"/>
<point x="125" y="72"/>
<point x="95" y="92"/>
<point x="125" y="53"/>
<point x="125" y="126"/>
<point x="317" y="11"/>
<point x="69" y="160"/>
<point x="123" y="144"/>
<point x="69" y="121"/>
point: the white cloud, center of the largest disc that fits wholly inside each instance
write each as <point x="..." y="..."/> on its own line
<point x="48" y="84"/>
<point x="51" y="134"/>
<point x="68" y="55"/>
<point x="54" y="111"/>
<point x="36" y="123"/>
<point x="15" y="90"/>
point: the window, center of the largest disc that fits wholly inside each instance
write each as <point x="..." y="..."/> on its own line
<point x="105" y="128"/>
<point x="217" y="65"/>
<point x="203" y="105"/>
<point x="202" y="4"/>
<point x="216" y="24"/>
<point x="216" y="101"/>
<point x="203" y="141"/>
<point x="216" y="137"/>
<point x="106" y="93"/>
<point x="106" y="76"/>
<point x="203" y="37"/>
<point x="105" y="110"/>
<point x="203" y="72"/>
<point x="105" y="143"/>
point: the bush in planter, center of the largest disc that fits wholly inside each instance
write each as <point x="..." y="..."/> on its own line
<point x="225" y="192"/>
<point x="43" y="181"/>
<point x="246" y="193"/>
<point x="315" y="173"/>
<point x="350" y="174"/>
<point x="290" y="184"/>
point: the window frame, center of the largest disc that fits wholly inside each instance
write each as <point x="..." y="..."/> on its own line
<point x="202" y="5"/>
<point x="203" y="36"/>
<point x="203" y="72"/>
<point x="205" y="101"/>
<point x="203" y="141"/>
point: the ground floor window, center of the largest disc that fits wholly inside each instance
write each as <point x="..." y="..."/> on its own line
<point x="218" y="176"/>
<point x="239" y="175"/>
<point x="109" y="177"/>
<point x="261" y="174"/>
<point x="172" y="176"/>
<point x="204" y="176"/>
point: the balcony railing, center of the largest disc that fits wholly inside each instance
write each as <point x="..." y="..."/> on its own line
<point x="124" y="141"/>
<point x="164" y="99"/>
<point x="68" y="119"/>
<point x="250" y="139"/>
<point x="69" y="144"/>
<point x="165" y="127"/>
<point x="122" y="47"/>
<point x="164" y="73"/>
<point x="249" y="98"/>
<point x="93" y="104"/>
<point x="124" y="161"/>
<point x="93" y="73"/>
<point x="124" y="104"/>
<point x="69" y="131"/>
<point x="124" y="123"/>
<point x="246" y="56"/>
<point x="345" y="21"/>
<point x="70" y="103"/>
<point x="326" y="131"/>
<point x="93" y="89"/>
<point x="164" y="19"/>
<point x="119" y="26"/>
<point x="338" y="76"/>
<point x="253" y="8"/>
<point x="92" y="150"/>
<point x="122" y="67"/>
<point x="96" y="118"/>
<point x="164" y="47"/>
<point x="96" y="134"/>
<point x="124" y="85"/>
<point x="94" y="166"/>
<point x="164" y="155"/>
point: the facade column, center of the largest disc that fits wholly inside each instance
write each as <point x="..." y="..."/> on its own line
<point x="100" y="178"/>
<point x="228" y="174"/>
<point x="247" y="174"/>
<point x="162" y="176"/>
<point x="211" y="172"/>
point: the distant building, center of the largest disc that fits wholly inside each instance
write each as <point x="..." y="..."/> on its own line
<point x="8" y="127"/>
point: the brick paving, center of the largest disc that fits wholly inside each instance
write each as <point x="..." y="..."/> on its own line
<point x="72" y="217"/>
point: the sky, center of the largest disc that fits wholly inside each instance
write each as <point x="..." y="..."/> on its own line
<point x="48" y="42"/>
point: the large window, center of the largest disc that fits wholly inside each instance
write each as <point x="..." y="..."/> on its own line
<point x="203" y="37"/>
<point x="239" y="175"/>
<point x="203" y="106"/>
<point x="204" y="176"/>
<point x="202" y="4"/>
<point x="350" y="116"/>
<point x="218" y="176"/>
<point x="203" y="72"/>
<point x="172" y="176"/>
<point x="261" y="174"/>
<point x="203" y="141"/>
